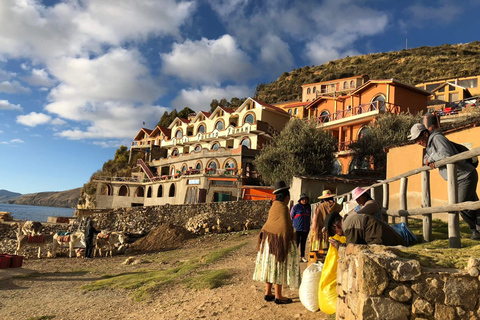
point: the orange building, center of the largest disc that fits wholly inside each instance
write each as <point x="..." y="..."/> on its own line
<point x="452" y="89"/>
<point x="337" y="87"/>
<point x="294" y="108"/>
<point x="346" y="116"/>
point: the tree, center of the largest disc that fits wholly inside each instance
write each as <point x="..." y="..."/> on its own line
<point x="185" y="113"/>
<point x="299" y="150"/>
<point x="386" y="131"/>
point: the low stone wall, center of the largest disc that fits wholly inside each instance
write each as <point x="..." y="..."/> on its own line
<point x="374" y="283"/>
<point x="197" y="218"/>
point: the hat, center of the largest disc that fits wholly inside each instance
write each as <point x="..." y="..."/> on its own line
<point x="329" y="220"/>
<point x="326" y="194"/>
<point x="416" y="130"/>
<point x="357" y="192"/>
<point x="279" y="186"/>
<point x="303" y="196"/>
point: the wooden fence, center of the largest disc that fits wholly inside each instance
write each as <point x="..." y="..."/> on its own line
<point x="453" y="208"/>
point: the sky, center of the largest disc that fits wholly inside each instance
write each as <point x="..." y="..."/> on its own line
<point x="78" y="78"/>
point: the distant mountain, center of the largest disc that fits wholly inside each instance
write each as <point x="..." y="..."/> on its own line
<point x="8" y="195"/>
<point x="412" y="66"/>
<point x="61" y="199"/>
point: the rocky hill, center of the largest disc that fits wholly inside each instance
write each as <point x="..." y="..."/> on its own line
<point x="61" y="199"/>
<point x="411" y="66"/>
<point x="6" y="195"/>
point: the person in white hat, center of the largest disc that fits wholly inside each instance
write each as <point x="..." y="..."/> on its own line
<point x="438" y="147"/>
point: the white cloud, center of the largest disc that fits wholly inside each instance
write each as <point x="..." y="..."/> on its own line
<point x="208" y="61"/>
<point x="5" y="105"/>
<point x="6" y="75"/>
<point x="40" y="77"/>
<point x="440" y="12"/>
<point x="13" y="141"/>
<point x="200" y="99"/>
<point x="111" y="143"/>
<point x="58" y="122"/>
<point x="275" y="55"/>
<point x="12" y="87"/>
<point x="34" y="119"/>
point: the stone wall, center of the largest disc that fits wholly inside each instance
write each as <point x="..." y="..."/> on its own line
<point x="197" y="218"/>
<point x="374" y="283"/>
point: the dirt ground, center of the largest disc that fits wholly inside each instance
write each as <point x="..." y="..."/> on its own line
<point x="50" y="288"/>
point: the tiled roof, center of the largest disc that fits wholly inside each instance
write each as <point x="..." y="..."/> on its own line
<point x="269" y="106"/>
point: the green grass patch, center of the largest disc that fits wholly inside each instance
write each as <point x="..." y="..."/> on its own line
<point x="437" y="254"/>
<point x="144" y="282"/>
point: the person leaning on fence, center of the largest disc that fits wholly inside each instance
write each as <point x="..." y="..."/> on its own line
<point x="301" y="215"/>
<point x="438" y="147"/>
<point x="366" y="205"/>
<point x="327" y="205"/>
<point x="277" y="255"/>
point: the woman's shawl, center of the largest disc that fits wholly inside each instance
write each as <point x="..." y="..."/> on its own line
<point x="279" y="231"/>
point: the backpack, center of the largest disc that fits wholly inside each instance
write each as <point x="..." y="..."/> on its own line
<point x="461" y="148"/>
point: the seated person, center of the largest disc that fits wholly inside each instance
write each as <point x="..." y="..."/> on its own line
<point x="366" y="205"/>
<point x="361" y="229"/>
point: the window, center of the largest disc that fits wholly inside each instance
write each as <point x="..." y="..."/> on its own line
<point x="379" y="102"/>
<point x="149" y="192"/>
<point x="215" y="146"/>
<point x="470" y="83"/>
<point x="451" y="88"/>
<point x="184" y="168"/>
<point x="440" y="97"/>
<point x="349" y="109"/>
<point x="352" y="84"/>
<point x="212" y="167"/>
<point x="139" y="193"/>
<point x="296" y="111"/>
<point x="308" y="91"/>
<point x="171" y="192"/>
<point x="178" y="134"/>
<point x="314" y="89"/>
<point x="245" y="143"/>
<point x="345" y="85"/>
<point x="175" y="152"/>
<point x="172" y="171"/>
<point x="198" y="166"/>
<point x="219" y="125"/>
<point x="290" y="111"/>
<point x="442" y="89"/>
<point x="430" y="87"/>
<point x="325" y="115"/>
<point x="123" y="192"/>
<point x="249" y="119"/>
<point x="363" y="133"/>
<point x="201" y="129"/>
<point x="453" y="97"/>
<point x="337" y="168"/>
<point x="160" y="191"/>
<point x="229" y="164"/>
<point x="197" y="148"/>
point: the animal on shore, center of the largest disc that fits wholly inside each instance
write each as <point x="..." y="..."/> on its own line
<point x="31" y="227"/>
<point x="108" y="240"/>
<point x="74" y="238"/>
<point x="22" y="241"/>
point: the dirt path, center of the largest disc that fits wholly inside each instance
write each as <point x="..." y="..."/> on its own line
<point x="55" y="288"/>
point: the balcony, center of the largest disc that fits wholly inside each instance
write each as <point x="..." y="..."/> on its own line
<point x="356" y="114"/>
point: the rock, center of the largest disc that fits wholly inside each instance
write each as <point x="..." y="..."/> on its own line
<point x="405" y="270"/>
<point x="461" y="291"/>
<point x="401" y="293"/>
<point x="422" y="307"/>
<point x="372" y="279"/>
<point x="473" y="272"/>
<point x="473" y="263"/>
<point x="380" y="308"/>
<point x="443" y="312"/>
<point x="429" y="292"/>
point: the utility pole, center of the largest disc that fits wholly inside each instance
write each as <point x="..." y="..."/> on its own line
<point x="406" y="43"/>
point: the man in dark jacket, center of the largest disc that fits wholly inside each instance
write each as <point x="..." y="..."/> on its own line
<point x="90" y="233"/>
<point x="301" y="215"/>
<point x="438" y="147"/>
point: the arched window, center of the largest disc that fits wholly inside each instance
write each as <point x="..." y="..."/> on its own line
<point x="215" y="146"/>
<point x="160" y="191"/>
<point x="149" y="192"/>
<point x="175" y="152"/>
<point x="178" y="134"/>
<point x="123" y="192"/>
<point x="184" y="168"/>
<point x="314" y="89"/>
<point x="349" y="109"/>
<point x="325" y="116"/>
<point x="308" y="91"/>
<point x="249" y="119"/>
<point x="140" y="192"/>
<point x="345" y="85"/>
<point x="379" y="102"/>
<point x="337" y="167"/>
<point x="290" y="111"/>
<point x="212" y="165"/>
<point x="363" y="132"/>
<point x="229" y="164"/>
<point x="197" y="148"/>
<point x="201" y="129"/>
<point x="171" y="192"/>
<point x="219" y="125"/>
<point x="358" y="164"/>
<point x="352" y="84"/>
<point x="198" y="166"/>
<point x="246" y="143"/>
<point x="172" y="171"/>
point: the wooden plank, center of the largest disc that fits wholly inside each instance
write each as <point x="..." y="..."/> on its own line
<point x="403" y="198"/>
<point x="468" y="205"/>
<point x="453" y="219"/>
<point x="386" y="196"/>
<point x="426" y="203"/>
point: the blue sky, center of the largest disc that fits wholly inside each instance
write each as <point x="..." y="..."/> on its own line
<point x="79" y="77"/>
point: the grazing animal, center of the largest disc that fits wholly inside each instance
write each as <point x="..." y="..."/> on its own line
<point x="32" y="227"/>
<point x="108" y="240"/>
<point x="22" y="242"/>
<point x="73" y="239"/>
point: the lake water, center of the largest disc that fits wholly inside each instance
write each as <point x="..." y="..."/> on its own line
<point x="35" y="213"/>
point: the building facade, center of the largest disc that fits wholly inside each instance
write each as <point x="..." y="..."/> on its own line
<point x="453" y="89"/>
<point x="205" y="158"/>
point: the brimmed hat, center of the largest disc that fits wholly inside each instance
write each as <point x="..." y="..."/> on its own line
<point x="416" y="130"/>
<point x="329" y="220"/>
<point x="357" y="192"/>
<point x="326" y="194"/>
<point x="279" y="186"/>
<point x="303" y="196"/>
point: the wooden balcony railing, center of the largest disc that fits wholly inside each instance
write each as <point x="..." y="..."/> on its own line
<point x="363" y="108"/>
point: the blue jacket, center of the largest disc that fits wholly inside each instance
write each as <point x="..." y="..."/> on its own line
<point x="301" y="216"/>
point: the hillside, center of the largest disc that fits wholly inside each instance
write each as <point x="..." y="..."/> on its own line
<point x="412" y="66"/>
<point x="61" y="199"/>
<point x="8" y="195"/>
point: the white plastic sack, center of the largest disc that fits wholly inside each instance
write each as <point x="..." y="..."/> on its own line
<point x="308" y="291"/>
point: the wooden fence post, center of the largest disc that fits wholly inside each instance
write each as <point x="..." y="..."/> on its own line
<point x="453" y="219"/>
<point x="385" y="201"/>
<point x="426" y="202"/>
<point x="403" y="198"/>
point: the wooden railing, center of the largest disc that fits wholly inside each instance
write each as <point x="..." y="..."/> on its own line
<point x="453" y="208"/>
<point x="363" y="108"/>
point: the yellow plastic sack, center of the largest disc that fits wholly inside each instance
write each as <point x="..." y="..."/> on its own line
<point x="327" y="288"/>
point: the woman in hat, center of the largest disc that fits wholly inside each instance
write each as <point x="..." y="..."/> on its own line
<point x="277" y="258"/>
<point x="327" y="206"/>
<point x="366" y="205"/>
<point x="301" y="215"/>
